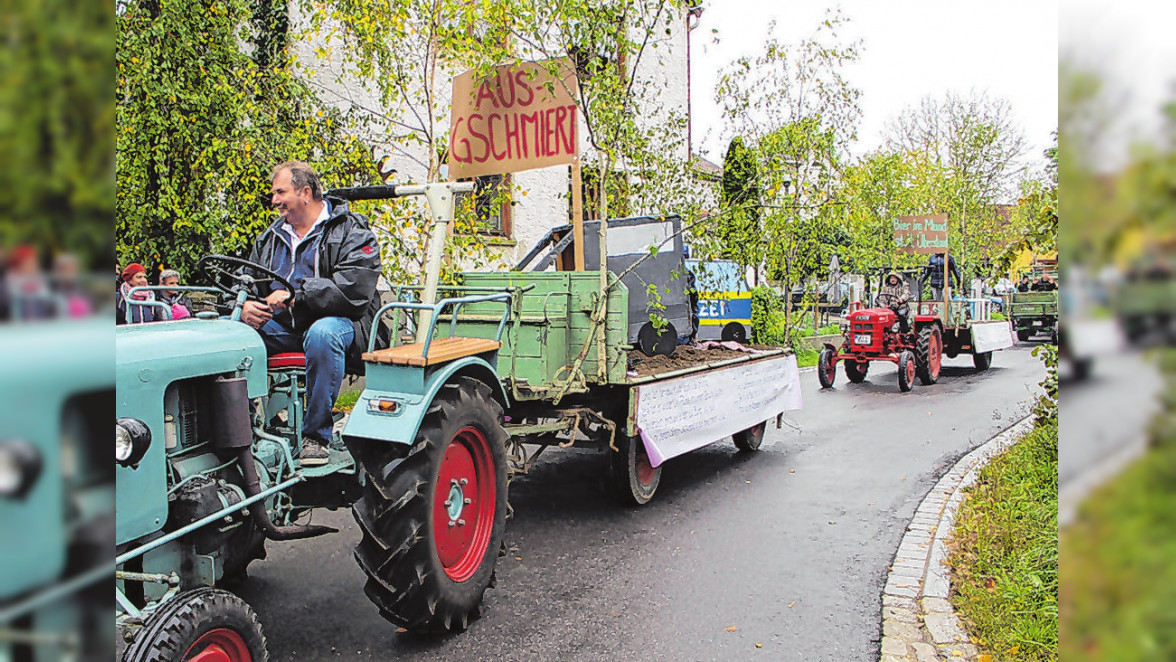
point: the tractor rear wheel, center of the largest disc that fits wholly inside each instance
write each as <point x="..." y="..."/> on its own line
<point x="202" y="624"/>
<point x="856" y="372"/>
<point x="826" y="368"/>
<point x="433" y="519"/>
<point x="632" y="476"/>
<point x="906" y="370"/>
<point x="982" y="360"/>
<point x="751" y="438"/>
<point x="929" y="354"/>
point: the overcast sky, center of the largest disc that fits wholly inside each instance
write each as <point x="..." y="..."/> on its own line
<point x="911" y="49"/>
<point x="1129" y="43"/>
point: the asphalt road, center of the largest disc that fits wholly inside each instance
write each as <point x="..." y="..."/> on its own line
<point x="787" y="548"/>
<point x="1102" y="424"/>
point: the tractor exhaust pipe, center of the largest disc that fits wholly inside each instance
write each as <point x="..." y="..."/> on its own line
<point x="252" y="487"/>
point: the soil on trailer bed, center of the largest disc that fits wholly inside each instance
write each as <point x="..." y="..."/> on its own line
<point x="684" y="356"/>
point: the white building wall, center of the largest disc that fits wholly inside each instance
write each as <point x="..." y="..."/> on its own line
<point x="546" y="204"/>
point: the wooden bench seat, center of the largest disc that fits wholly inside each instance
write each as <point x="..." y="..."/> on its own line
<point x="440" y="351"/>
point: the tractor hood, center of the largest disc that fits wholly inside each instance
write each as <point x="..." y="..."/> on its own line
<point x="875" y="316"/>
<point x="164" y="352"/>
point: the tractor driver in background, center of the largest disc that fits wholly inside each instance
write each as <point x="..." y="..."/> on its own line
<point x="896" y="296"/>
<point x="330" y="256"/>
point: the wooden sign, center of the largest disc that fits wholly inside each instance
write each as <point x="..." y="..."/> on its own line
<point x="519" y="117"/>
<point x="921" y="234"/>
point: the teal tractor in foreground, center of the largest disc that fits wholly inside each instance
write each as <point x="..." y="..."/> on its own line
<point x="56" y="490"/>
<point x="499" y="368"/>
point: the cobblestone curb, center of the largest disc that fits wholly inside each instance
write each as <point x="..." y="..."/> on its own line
<point x="918" y="623"/>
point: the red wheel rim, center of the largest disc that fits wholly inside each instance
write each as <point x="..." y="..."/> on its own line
<point x="464" y="504"/>
<point x="830" y="370"/>
<point x="644" y="469"/>
<point x="219" y="645"/>
<point x="910" y="372"/>
<point x="936" y="354"/>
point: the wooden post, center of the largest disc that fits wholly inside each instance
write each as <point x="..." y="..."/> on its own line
<point x="578" y="216"/>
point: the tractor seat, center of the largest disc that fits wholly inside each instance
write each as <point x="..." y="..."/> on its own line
<point x="287" y="361"/>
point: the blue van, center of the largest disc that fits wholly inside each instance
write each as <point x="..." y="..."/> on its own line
<point x="724" y="300"/>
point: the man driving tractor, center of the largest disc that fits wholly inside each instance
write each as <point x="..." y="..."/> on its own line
<point x="896" y="296"/>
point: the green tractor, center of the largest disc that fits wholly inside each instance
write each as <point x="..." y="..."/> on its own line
<point x="499" y="368"/>
<point x="1034" y="312"/>
<point x="56" y="490"/>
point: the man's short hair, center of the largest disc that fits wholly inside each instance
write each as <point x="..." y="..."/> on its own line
<point x="168" y="273"/>
<point x="301" y="174"/>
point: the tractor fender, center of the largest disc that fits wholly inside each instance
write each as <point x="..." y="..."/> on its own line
<point x="829" y="346"/>
<point x="413" y="401"/>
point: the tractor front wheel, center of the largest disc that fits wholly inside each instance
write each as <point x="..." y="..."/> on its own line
<point x="199" y="625"/>
<point x="751" y="438"/>
<point x="929" y="354"/>
<point x="632" y="476"/>
<point x="433" y="519"/>
<point x="906" y="370"/>
<point x="856" y="372"/>
<point x="982" y="360"/>
<point x="826" y="368"/>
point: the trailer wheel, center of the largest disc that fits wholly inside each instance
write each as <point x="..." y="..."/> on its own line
<point x="433" y="520"/>
<point x="750" y="439"/>
<point x="1024" y="334"/>
<point x="856" y="372"/>
<point x="826" y="368"/>
<point x="929" y="355"/>
<point x="982" y="360"/>
<point x="632" y="477"/>
<point x="202" y="624"/>
<point x="906" y="370"/>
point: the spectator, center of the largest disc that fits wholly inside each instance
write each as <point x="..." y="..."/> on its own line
<point x="1045" y="284"/>
<point x="181" y="305"/>
<point x="65" y="279"/>
<point x="330" y="256"/>
<point x="1024" y="285"/>
<point x="134" y="275"/>
<point x="28" y="292"/>
<point x="935" y="272"/>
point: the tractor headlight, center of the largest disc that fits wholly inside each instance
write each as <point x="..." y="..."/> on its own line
<point x="20" y="464"/>
<point x="131" y="440"/>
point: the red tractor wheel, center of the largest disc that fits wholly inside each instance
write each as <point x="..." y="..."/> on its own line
<point x="201" y="625"/>
<point x="632" y="475"/>
<point x="906" y="370"/>
<point x="750" y="439"/>
<point x="433" y="519"/>
<point x="929" y="354"/>
<point x="826" y="368"/>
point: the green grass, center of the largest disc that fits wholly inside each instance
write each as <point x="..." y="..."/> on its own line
<point x="1004" y="554"/>
<point x="1119" y="557"/>
<point x="346" y="401"/>
<point x="806" y="356"/>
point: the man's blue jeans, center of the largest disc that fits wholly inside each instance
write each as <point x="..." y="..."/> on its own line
<point x="325" y="344"/>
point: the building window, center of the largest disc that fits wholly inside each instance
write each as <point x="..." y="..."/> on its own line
<point x="491" y="205"/>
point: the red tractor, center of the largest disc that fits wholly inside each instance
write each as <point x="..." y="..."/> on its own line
<point x="877" y="334"/>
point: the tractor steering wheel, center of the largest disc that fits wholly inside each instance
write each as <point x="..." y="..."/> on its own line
<point x="213" y="267"/>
